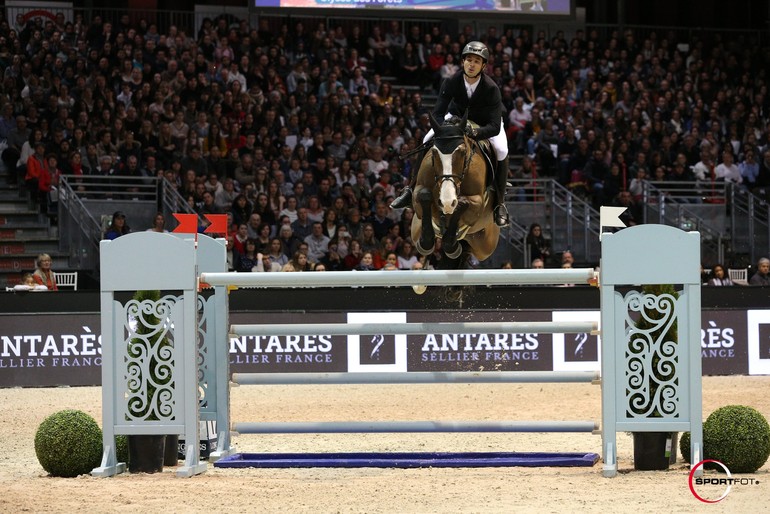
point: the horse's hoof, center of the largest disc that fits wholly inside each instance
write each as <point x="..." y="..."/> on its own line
<point x="454" y="254"/>
<point x="423" y="251"/>
<point x="454" y="295"/>
<point x="420" y="289"/>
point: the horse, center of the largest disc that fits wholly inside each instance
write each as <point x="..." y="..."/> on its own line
<point x="451" y="200"/>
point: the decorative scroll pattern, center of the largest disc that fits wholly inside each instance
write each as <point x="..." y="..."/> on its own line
<point x="652" y="354"/>
<point x="205" y="371"/>
<point x="150" y="360"/>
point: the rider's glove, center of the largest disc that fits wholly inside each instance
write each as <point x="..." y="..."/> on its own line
<point x="471" y="132"/>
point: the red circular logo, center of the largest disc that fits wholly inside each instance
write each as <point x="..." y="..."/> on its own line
<point x="700" y="465"/>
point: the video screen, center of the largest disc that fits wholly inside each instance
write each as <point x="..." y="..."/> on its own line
<point x="524" y="7"/>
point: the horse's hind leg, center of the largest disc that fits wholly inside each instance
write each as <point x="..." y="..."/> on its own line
<point x="449" y="242"/>
<point x="427" y="239"/>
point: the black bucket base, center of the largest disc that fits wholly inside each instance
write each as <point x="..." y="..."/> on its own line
<point x="171" y="453"/>
<point x="650" y="450"/>
<point x="146" y="453"/>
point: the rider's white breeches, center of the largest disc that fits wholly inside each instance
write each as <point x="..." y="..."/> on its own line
<point x="499" y="142"/>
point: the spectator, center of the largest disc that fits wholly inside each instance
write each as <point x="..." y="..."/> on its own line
<point x="407" y="256"/>
<point x="43" y="275"/>
<point x="718" y="277"/>
<point x="28" y="284"/>
<point x="762" y="276"/>
<point x="118" y="227"/>
<point x="366" y="263"/>
<point x="538" y="245"/>
<point x="380" y="221"/>
<point x="265" y="264"/>
<point x="247" y="261"/>
<point x="158" y="224"/>
<point x="317" y="243"/>
<point x="727" y="171"/>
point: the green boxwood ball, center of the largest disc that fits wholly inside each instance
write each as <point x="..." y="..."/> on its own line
<point x="121" y="448"/>
<point x="738" y="436"/>
<point x="684" y="446"/>
<point x="68" y="443"/>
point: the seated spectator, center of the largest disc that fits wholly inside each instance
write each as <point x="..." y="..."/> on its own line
<point x="317" y="243"/>
<point x="718" y="277"/>
<point x="266" y="264"/>
<point x="727" y="170"/>
<point x="247" y="261"/>
<point x="118" y="227"/>
<point x="407" y="257"/>
<point x="366" y="263"/>
<point x="539" y="248"/>
<point x="28" y="284"/>
<point x="43" y="274"/>
<point x="762" y="276"/>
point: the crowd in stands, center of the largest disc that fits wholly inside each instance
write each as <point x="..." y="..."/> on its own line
<point x="296" y="132"/>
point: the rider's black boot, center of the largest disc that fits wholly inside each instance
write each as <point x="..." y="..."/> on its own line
<point x="403" y="200"/>
<point x="501" y="184"/>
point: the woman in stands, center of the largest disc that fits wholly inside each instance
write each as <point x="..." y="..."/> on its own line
<point x="43" y="275"/>
<point x="118" y="227"/>
<point x="719" y="277"/>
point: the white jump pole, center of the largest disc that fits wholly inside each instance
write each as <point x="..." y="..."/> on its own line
<point x="342" y="329"/>
<point x="416" y="377"/>
<point x="365" y="427"/>
<point x="476" y="277"/>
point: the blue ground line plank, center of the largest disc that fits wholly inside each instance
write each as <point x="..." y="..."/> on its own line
<point x="407" y="460"/>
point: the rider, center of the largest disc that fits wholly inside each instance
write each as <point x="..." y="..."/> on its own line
<point x="473" y="90"/>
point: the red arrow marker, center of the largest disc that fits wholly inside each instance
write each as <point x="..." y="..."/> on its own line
<point x="188" y="223"/>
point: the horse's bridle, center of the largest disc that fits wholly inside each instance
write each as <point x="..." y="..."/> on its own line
<point x="456" y="179"/>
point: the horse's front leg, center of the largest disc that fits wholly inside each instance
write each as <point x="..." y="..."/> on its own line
<point x="427" y="239"/>
<point x="449" y="242"/>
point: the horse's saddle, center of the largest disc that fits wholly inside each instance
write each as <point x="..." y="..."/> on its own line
<point x="489" y="156"/>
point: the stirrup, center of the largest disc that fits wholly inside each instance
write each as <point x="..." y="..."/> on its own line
<point x="403" y="200"/>
<point x="501" y="216"/>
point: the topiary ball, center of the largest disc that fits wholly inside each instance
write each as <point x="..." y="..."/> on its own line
<point x="68" y="443"/>
<point x="738" y="436"/>
<point x="121" y="448"/>
<point x="684" y="446"/>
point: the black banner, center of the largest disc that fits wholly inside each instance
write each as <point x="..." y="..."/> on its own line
<point x="65" y="349"/>
<point x="527" y="351"/>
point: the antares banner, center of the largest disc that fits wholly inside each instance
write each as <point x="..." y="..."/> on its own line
<point x="65" y="349"/>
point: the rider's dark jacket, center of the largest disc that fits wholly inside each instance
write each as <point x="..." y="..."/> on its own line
<point x="485" y="107"/>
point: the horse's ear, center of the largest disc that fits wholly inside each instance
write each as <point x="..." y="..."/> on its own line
<point x="465" y="119"/>
<point x="433" y="123"/>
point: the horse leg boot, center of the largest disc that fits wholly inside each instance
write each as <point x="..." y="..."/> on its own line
<point x="501" y="184"/>
<point x="451" y="246"/>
